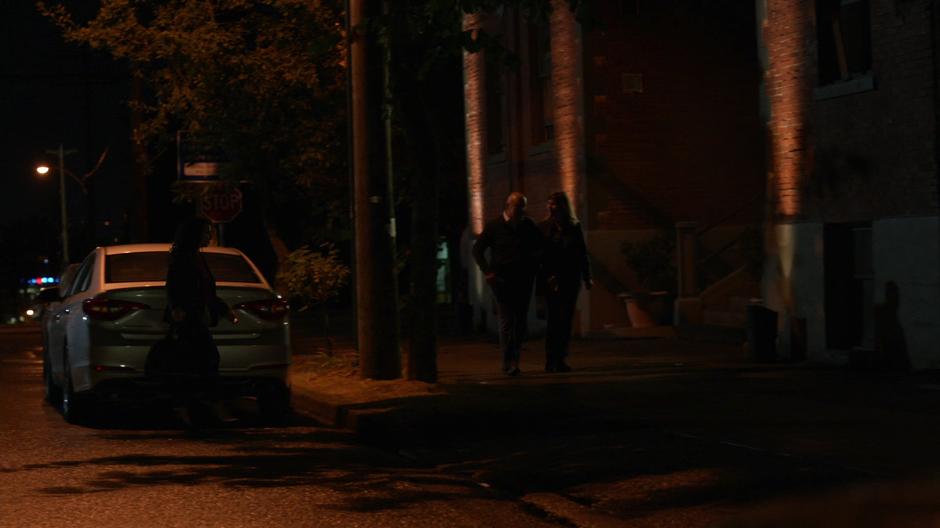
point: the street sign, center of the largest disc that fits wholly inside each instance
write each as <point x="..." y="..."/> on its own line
<point x="221" y="205"/>
<point x="197" y="160"/>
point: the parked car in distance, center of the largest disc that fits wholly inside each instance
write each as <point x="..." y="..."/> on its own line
<point x="97" y="336"/>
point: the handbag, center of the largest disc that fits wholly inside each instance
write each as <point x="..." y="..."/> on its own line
<point x="175" y="356"/>
<point x="164" y="357"/>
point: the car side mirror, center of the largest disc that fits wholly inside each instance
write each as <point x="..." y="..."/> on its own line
<point x="49" y="295"/>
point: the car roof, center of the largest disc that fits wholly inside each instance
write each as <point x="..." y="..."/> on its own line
<point x="145" y="248"/>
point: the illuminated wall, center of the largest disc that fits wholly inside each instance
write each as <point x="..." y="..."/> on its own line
<point x="567" y="95"/>
<point x="475" y="123"/>
<point x="789" y="79"/>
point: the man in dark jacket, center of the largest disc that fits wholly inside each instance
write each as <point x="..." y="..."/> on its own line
<point x="514" y="243"/>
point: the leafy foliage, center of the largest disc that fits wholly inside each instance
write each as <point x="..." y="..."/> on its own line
<point x="262" y="81"/>
<point x="313" y="277"/>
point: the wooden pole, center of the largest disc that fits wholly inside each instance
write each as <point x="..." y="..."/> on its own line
<point x="373" y="203"/>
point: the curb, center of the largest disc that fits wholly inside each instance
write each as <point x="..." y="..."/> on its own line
<point x="371" y="426"/>
<point x="315" y="406"/>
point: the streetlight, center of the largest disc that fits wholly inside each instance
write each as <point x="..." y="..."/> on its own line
<point x="42" y="170"/>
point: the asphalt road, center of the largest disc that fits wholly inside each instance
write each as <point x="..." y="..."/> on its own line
<point x="669" y="445"/>
<point x="134" y="467"/>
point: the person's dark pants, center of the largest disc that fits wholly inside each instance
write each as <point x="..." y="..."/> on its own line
<point x="512" y="302"/>
<point x="201" y="363"/>
<point x="559" y="317"/>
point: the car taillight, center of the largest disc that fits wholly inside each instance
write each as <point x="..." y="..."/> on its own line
<point x="103" y="309"/>
<point x="267" y="309"/>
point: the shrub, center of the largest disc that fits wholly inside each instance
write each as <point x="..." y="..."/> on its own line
<point x="311" y="277"/>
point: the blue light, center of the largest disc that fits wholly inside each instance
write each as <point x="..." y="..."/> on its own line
<point x="41" y="280"/>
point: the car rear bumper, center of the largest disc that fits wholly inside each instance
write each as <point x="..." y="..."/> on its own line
<point x="238" y="363"/>
<point x="141" y="389"/>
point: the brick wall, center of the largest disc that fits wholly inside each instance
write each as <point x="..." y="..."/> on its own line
<point x="875" y="150"/>
<point x="788" y="34"/>
<point x="567" y="102"/>
<point x="524" y="164"/>
<point x="673" y="130"/>
<point x="858" y="154"/>
<point x="474" y="71"/>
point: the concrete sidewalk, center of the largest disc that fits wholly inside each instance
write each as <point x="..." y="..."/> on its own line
<point x="659" y="431"/>
<point x="472" y="392"/>
<point x="668" y="383"/>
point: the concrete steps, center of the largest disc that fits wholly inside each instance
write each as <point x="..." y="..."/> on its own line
<point x="732" y="313"/>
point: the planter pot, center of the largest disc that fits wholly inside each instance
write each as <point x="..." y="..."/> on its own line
<point x="649" y="309"/>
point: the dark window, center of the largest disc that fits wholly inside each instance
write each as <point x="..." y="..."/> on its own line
<point x="151" y="266"/>
<point x="540" y="82"/>
<point x="494" y="106"/>
<point x="844" y="39"/>
<point x="230" y="268"/>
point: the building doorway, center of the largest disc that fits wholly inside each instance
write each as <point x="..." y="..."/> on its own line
<point x="849" y="280"/>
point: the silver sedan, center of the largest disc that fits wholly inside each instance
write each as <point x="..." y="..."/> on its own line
<point x="98" y="334"/>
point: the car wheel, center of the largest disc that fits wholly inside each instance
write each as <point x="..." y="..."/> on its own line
<point x="274" y="403"/>
<point x="53" y="392"/>
<point x="74" y="406"/>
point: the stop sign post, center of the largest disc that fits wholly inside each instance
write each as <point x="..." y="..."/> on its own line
<point x="221" y="205"/>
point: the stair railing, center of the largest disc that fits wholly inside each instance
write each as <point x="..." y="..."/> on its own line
<point x="692" y="272"/>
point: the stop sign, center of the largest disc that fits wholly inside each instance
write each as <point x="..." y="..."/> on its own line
<point x="221" y="205"/>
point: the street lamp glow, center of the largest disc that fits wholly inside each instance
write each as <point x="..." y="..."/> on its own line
<point x="42" y="170"/>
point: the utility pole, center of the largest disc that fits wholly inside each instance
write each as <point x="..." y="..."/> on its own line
<point x="373" y="201"/>
<point x="63" y="208"/>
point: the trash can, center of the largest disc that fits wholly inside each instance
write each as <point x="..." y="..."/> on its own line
<point x="798" y="339"/>
<point x="761" y="332"/>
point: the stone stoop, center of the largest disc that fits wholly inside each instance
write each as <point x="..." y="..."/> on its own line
<point x="733" y="314"/>
<point x="725" y="302"/>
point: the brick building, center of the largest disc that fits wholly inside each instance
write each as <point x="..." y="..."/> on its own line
<point x="851" y="106"/>
<point x="808" y="125"/>
<point x="646" y="119"/>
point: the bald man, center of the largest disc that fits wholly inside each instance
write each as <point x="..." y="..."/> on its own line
<point x="514" y="243"/>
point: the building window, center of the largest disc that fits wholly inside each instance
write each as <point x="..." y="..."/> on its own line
<point x="540" y="82"/>
<point x="494" y="107"/>
<point x="844" y="36"/>
<point x="443" y="272"/>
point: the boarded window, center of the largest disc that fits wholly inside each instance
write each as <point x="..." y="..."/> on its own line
<point x="844" y="39"/>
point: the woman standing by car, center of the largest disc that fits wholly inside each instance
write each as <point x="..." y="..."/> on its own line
<point x="564" y="267"/>
<point x="192" y="306"/>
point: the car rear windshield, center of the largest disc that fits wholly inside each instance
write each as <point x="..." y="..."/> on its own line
<point x="151" y="266"/>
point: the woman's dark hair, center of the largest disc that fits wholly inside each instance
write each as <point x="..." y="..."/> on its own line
<point x="563" y="210"/>
<point x="189" y="235"/>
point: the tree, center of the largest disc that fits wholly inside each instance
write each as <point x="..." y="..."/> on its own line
<point x="426" y="39"/>
<point x="260" y="80"/>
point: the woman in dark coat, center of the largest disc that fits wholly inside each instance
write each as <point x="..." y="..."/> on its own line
<point x="564" y="267"/>
<point x="192" y="305"/>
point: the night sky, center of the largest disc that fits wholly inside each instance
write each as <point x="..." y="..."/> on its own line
<point x="52" y="92"/>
